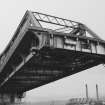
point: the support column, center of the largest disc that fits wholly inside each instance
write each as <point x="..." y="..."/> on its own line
<point x="97" y="95"/>
<point x="87" y="97"/>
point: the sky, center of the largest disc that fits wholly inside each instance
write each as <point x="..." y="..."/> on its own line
<point x="89" y="12"/>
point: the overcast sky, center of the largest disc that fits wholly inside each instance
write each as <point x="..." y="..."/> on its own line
<point x="89" y="12"/>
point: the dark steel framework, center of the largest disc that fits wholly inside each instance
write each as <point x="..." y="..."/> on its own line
<point x="37" y="55"/>
<point x="63" y="25"/>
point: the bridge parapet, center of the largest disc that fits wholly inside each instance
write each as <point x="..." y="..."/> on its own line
<point x="66" y="41"/>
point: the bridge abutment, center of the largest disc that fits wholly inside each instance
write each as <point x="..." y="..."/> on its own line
<point x="10" y="98"/>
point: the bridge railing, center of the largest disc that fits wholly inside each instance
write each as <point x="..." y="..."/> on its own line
<point x="78" y="44"/>
<point x="70" y="42"/>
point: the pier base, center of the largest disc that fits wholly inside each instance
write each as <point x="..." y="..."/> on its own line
<point x="10" y="98"/>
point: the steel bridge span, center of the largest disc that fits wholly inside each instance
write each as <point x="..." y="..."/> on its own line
<point x="46" y="48"/>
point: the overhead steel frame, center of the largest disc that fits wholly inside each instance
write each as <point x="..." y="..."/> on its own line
<point x="71" y="26"/>
<point x="83" y="52"/>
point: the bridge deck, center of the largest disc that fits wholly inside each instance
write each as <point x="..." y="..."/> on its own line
<point x="36" y="56"/>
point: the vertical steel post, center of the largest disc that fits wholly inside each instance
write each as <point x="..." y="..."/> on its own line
<point x="97" y="95"/>
<point x="87" y="97"/>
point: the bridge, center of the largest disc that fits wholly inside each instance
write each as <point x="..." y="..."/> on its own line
<point x="46" y="48"/>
